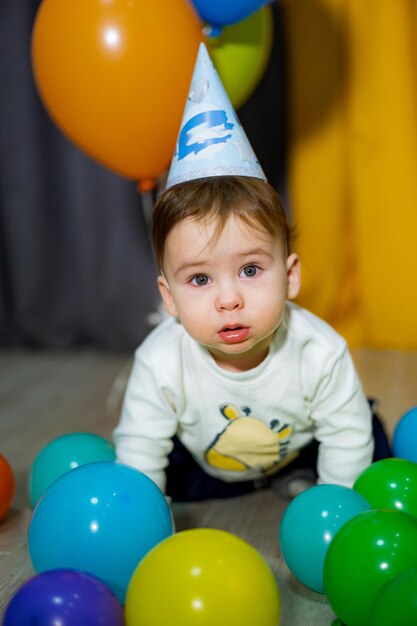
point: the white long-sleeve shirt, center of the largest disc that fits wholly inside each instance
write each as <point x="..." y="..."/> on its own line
<point x="241" y="426"/>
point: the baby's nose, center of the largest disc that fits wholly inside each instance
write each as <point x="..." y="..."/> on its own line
<point x="229" y="299"/>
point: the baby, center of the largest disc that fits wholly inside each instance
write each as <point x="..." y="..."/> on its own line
<point x="240" y="386"/>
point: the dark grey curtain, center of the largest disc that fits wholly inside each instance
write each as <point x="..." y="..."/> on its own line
<point x="76" y="265"/>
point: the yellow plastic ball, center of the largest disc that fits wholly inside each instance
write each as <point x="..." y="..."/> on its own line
<point x="202" y="577"/>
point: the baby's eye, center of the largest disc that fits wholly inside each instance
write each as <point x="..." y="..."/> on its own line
<point x="200" y="280"/>
<point x="249" y="271"/>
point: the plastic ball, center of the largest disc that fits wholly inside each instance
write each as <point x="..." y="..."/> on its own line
<point x="203" y="577"/>
<point x="64" y="597"/>
<point x="396" y="603"/>
<point x="64" y="454"/>
<point x="391" y="484"/>
<point x="101" y="518"/>
<point x="308" y="526"/>
<point x="6" y="486"/>
<point x="369" y="551"/>
<point x="404" y="439"/>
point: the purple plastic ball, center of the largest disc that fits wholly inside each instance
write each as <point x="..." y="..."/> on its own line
<point x="65" y="597"/>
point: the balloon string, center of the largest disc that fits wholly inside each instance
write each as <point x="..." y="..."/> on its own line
<point x="147" y="205"/>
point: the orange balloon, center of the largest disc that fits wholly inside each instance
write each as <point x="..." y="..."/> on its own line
<point x="114" y="75"/>
<point x="6" y="486"/>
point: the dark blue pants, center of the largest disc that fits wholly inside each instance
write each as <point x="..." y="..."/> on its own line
<point x="188" y="482"/>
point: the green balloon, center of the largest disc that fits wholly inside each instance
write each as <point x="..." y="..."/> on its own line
<point x="64" y="454"/>
<point x="365" y="554"/>
<point x="390" y="484"/>
<point x="241" y="54"/>
<point x="396" y="603"/>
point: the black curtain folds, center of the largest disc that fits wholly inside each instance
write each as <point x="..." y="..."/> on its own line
<point x="76" y="264"/>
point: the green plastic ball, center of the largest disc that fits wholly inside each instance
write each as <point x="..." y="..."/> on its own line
<point x="367" y="552"/>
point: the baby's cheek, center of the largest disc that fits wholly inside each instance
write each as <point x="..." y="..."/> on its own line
<point x="195" y="324"/>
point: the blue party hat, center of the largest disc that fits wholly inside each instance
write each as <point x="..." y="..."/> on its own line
<point x="211" y="141"/>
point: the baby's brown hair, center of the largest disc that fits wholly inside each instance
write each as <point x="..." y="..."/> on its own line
<point x="252" y="200"/>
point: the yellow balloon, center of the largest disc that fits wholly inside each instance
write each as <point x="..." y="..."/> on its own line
<point x="202" y="577"/>
<point x="241" y="54"/>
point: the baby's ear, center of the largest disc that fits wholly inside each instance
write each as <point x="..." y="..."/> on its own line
<point x="166" y="295"/>
<point x="293" y="276"/>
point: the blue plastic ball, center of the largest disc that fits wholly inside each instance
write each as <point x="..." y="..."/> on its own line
<point x="404" y="440"/>
<point x="64" y="597"/>
<point x="101" y="518"/>
<point x="308" y="526"/>
<point x="64" y="454"/>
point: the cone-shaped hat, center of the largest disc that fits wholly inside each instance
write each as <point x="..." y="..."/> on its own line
<point x="211" y="141"/>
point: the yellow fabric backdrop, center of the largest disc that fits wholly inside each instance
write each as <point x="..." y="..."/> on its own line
<point x="352" y="106"/>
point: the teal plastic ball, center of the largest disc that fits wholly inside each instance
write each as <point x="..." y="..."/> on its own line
<point x="62" y="455"/>
<point x="308" y="526"/>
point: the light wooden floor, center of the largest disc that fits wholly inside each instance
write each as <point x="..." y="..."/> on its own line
<point x="46" y="394"/>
